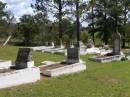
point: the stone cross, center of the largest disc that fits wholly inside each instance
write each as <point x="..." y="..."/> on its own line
<point x="72" y="55"/>
<point x="117" y="44"/>
<point x="23" y="58"/>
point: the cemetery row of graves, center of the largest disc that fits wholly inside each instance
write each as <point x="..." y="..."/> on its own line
<point x="111" y="75"/>
<point x="24" y="70"/>
<point x="71" y="70"/>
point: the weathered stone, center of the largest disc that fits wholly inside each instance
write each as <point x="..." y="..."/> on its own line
<point x="72" y="55"/>
<point x="117" y="44"/>
<point x="24" y="58"/>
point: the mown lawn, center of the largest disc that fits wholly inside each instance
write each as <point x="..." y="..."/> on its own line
<point x="99" y="80"/>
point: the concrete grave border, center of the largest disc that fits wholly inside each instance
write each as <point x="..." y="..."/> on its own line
<point x="19" y="77"/>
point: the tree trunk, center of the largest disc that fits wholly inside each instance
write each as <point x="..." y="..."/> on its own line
<point x="93" y="37"/>
<point x="60" y="23"/>
<point x="78" y="23"/>
<point x="125" y="17"/>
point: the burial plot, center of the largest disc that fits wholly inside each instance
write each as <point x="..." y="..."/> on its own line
<point x="12" y="77"/>
<point x="70" y="65"/>
<point x="115" y="55"/>
<point x="24" y="59"/>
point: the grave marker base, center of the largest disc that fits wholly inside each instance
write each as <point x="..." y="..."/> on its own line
<point x="55" y="70"/>
<point x="105" y="59"/>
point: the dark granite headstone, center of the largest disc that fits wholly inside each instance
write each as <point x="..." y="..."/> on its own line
<point x="117" y="44"/>
<point x="72" y="55"/>
<point x="23" y="56"/>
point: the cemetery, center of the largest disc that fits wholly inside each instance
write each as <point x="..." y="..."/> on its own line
<point x="70" y="65"/>
<point x="111" y="74"/>
<point x="22" y="72"/>
<point x="64" y="48"/>
<point x="11" y="75"/>
<point x="116" y="55"/>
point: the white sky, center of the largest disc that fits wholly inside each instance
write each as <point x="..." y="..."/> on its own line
<point x="20" y="7"/>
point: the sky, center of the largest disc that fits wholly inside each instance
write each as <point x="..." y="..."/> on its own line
<point x="19" y="7"/>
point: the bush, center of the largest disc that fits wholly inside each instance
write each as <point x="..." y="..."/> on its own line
<point x="124" y="58"/>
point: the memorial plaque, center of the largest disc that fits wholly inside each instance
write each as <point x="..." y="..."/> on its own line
<point x="72" y="55"/>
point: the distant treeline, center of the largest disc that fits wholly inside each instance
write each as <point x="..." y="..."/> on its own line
<point x="103" y="19"/>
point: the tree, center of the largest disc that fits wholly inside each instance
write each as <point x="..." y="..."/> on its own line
<point x="126" y="10"/>
<point x="91" y="18"/>
<point x="106" y="18"/>
<point x="55" y="7"/>
<point x="103" y="21"/>
<point x="77" y="9"/>
<point x="28" y="28"/>
<point x="3" y="15"/>
<point x="44" y="27"/>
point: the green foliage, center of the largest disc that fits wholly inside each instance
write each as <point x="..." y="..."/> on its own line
<point x="28" y="28"/>
<point x="4" y="23"/>
<point x="124" y="58"/>
<point x="84" y="37"/>
<point x="103" y="18"/>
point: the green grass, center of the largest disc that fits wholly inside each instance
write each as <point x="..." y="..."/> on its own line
<point x="99" y="80"/>
<point x="10" y="53"/>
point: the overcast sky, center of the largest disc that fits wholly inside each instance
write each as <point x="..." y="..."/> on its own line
<point x="19" y="7"/>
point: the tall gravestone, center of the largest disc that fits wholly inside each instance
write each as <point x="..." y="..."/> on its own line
<point x="117" y="44"/>
<point x="73" y="55"/>
<point x="24" y="58"/>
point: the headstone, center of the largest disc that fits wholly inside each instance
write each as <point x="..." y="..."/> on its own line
<point x="117" y="44"/>
<point x="72" y="55"/>
<point x="52" y="44"/>
<point x="24" y="58"/>
<point x="82" y="45"/>
<point x="128" y="56"/>
<point x="90" y="43"/>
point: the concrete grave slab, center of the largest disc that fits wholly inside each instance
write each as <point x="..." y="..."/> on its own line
<point x="72" y="64"/>
<point x="116" y="54"/>
<point x="55" y="70"/>
<point x="5" y="64"/>
<point x="11" y="78"/>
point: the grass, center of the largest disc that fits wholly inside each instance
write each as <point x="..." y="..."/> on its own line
<point x="99" y="80"/>
<point x="10" y="53"/>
